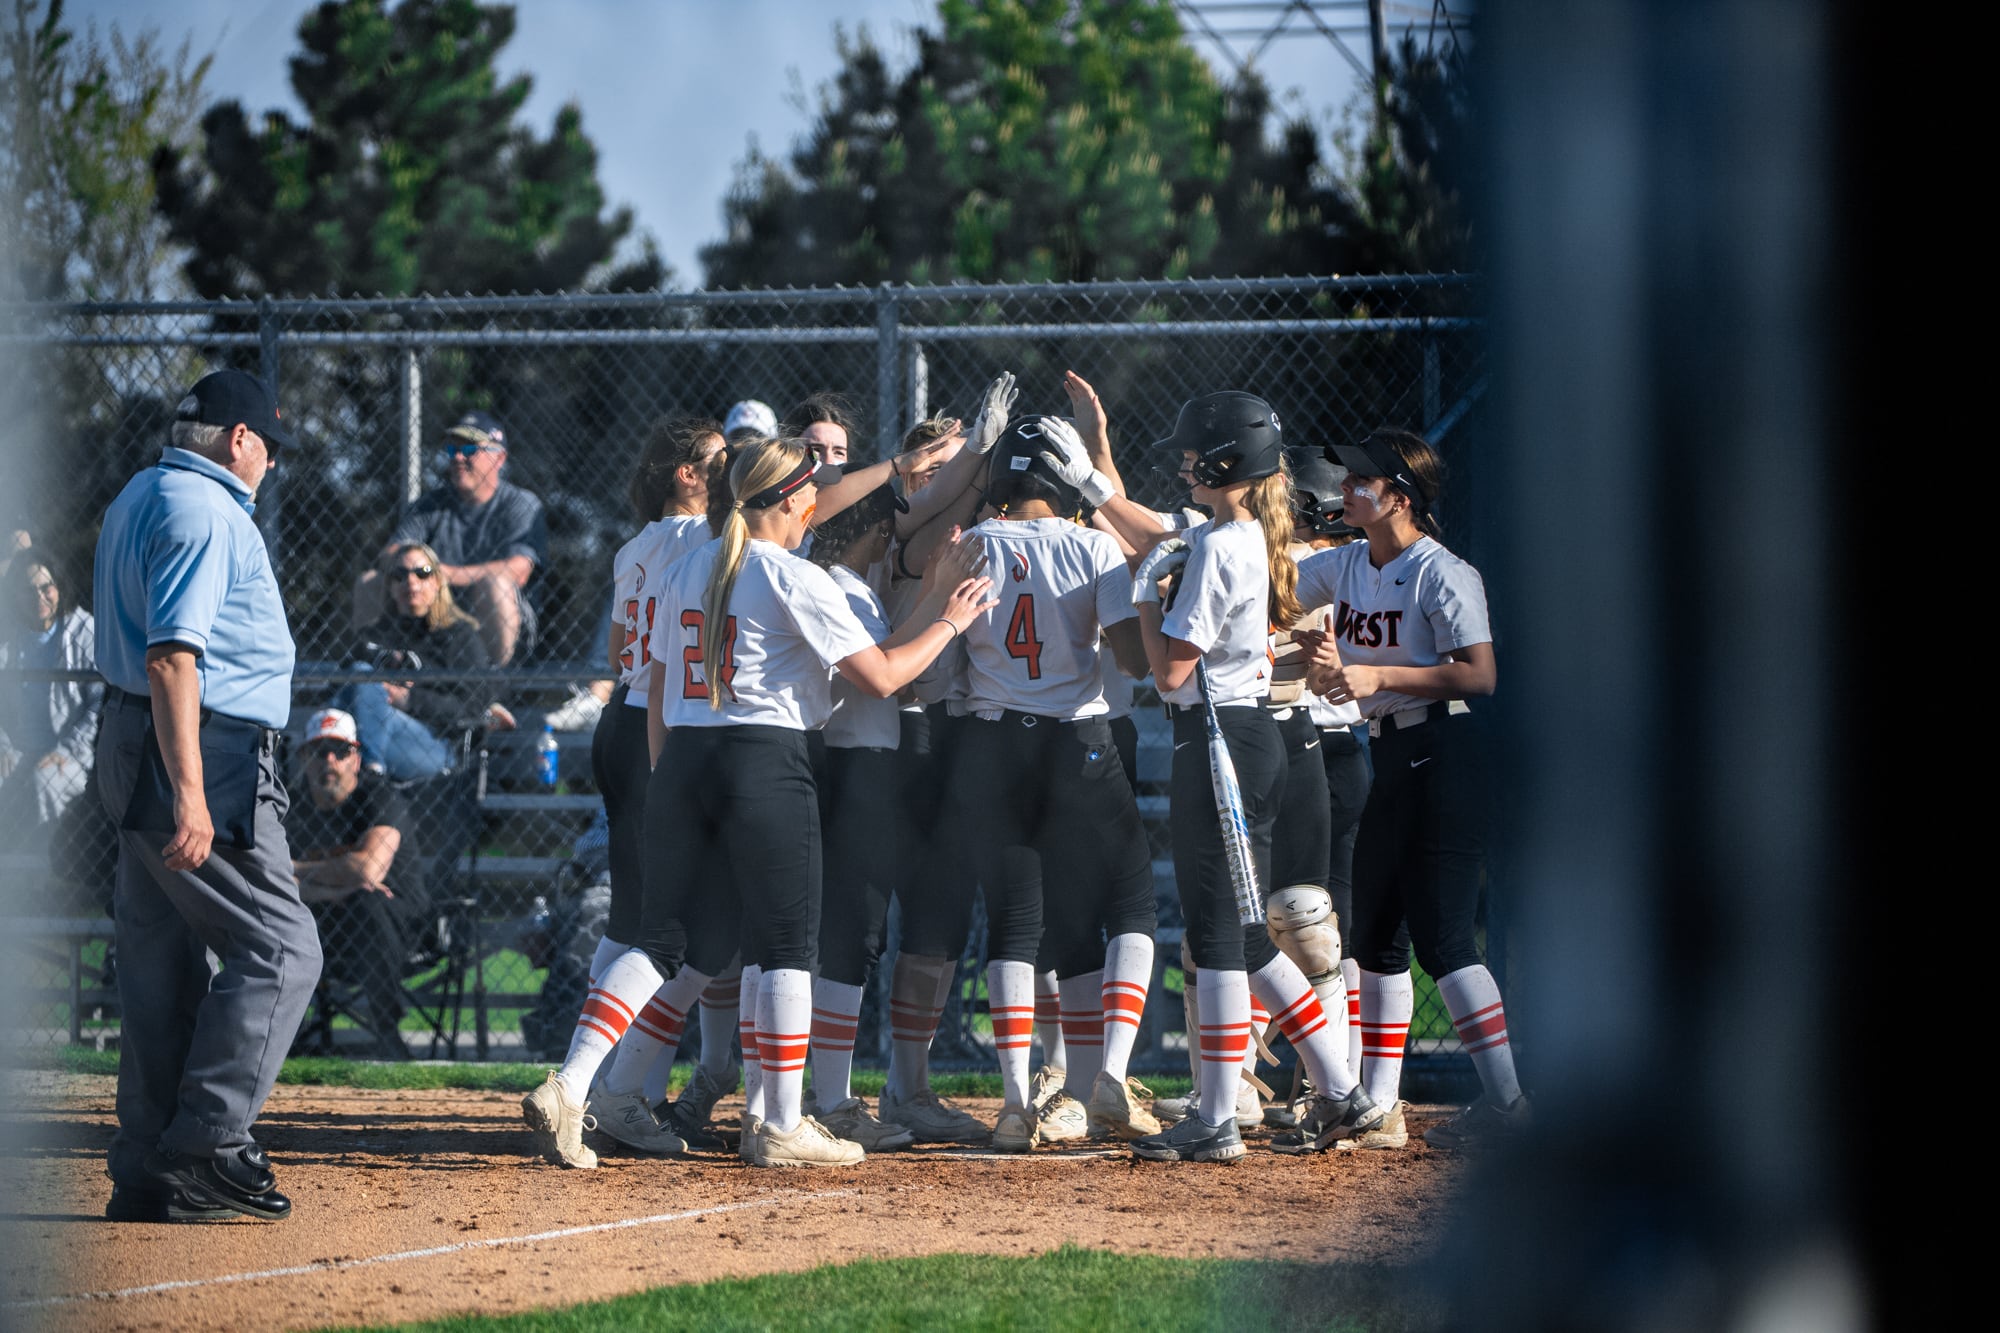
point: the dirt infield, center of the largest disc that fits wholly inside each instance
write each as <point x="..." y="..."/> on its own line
<point x="412" y="1205"/>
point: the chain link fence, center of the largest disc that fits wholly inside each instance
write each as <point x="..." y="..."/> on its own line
<point x="505" y="863"/>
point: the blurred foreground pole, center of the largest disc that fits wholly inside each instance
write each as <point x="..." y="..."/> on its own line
<point x="1668" y="228"/>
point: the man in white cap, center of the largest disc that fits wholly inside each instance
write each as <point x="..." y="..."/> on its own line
<point x="358" y="871"/>
<point x="751" y="417"/>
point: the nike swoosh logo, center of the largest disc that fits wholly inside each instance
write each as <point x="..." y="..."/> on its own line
<point x="1311" y="745"/>
<point x="1400" y="582"/>
<point x="1183" y="745"/>
<point x="1418" y="763"/>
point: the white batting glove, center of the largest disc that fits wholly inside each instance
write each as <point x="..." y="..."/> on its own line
<point x="1071" y="461"/>
<point x="1162" y="560"/>
<point x="992" y="418"/>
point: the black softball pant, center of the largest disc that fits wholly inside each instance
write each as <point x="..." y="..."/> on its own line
<point x="935" y="882"/>
<point x="1052" y="820"/>
<point x="621" y="763"/>
<point x="1346" y="762"/>
<point x="732" y="828"/>
<point x="1420" y="855"/>
<point x="1215" y="933"/>
<point x="1301" y="843"/>
<point x="861" y="858"/>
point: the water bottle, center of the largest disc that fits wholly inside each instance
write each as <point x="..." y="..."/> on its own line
<point x="548" y="757"/>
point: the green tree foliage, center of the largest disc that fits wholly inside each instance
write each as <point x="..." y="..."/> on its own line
<point x="79" y="123"/>
<point x="1031" y="139"/>
<point x="1406" y="193"/>
<point x="410" y="173"/>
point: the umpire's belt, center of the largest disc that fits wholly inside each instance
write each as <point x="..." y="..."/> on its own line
<point x="210" y="719"/>
<point x="1404" y="719"/>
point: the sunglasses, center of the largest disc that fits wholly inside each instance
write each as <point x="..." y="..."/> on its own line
<point x="468" y="450"/>
<point x="39" y="588"/>
<point x="333" y="749"/>
<point x="415" y="571"/>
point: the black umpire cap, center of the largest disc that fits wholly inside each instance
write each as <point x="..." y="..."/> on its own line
<point x="230" y="398"/>
<point x="1234" y="436"/>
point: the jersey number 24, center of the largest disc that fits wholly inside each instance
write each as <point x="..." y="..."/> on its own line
<point x="692" y="686"/>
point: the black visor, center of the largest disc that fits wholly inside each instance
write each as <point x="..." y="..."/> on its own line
<point x="1374" y="458"/>
<point x="810" y="469"/>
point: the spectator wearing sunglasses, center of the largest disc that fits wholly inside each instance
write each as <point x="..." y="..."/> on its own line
<point x="356" y="867"/>
<point x="490" y="536"/>
<point x="405" y="721"/>
<point x="48" y="729"/>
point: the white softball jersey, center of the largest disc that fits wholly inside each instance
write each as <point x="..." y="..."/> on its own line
<point x="859" y="719"/>
<point x="1414" y="611"/>
<point x="636" y="572"/>
<point x="1036" y="652"/>
<point x="1223" y="609"/>
<point x="787" y="624"/>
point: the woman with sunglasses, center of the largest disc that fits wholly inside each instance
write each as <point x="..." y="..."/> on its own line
<point x="754" y="635"/>
<point x="48" y="729"/>
<point x="405" y="721"/>
<point x="1409" y="641"/>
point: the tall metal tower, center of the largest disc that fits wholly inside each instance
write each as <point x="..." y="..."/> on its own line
<point x="1239" y="31"/>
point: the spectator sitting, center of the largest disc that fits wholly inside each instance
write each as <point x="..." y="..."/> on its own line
<point x="749" y="420"/>
<point x="490" y="535"/>
<point x="404" y="722"/>
<point x="48" y="729"/>
<point x="358" y="871"/>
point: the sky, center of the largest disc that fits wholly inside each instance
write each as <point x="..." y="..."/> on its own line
<point x="672" y="91"/>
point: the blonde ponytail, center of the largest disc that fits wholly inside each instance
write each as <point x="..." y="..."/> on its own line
<point x="1270" y="499"/>
<point x="762" y="465"/>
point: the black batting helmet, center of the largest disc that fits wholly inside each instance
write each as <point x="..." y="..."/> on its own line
<point x="1233" y="435"/>
<point x="1316" y="499"/>
<point x="1018" y="454"/>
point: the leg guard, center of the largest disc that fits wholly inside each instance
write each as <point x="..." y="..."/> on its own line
<point x="1299" y="920"/>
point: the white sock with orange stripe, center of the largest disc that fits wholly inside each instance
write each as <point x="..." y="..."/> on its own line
<point x="1010" y="997"/>
<point x="1260" y="1026"/>
<point x="1048" y="1020"/>
<point x="748" y="988"/>
<point x="836" y="1013"/>
<point x="607" y="951"/>
<point x="1083" y="1032"/>
<point x="1225" y="1037"/>
<point x="721" y="1003"/>
<point x="1472" y="998"/>
<point x="1128" y="971"/>
<point x="1350" y="975"/>
<point x="655" y="1034"/>
<point x="1303" y="1020"/>
<point x="608" y="1010"/>
<point x="916" y="991"/>
<point x="784" y="1031"/>
<point x="1387" y="1001"/>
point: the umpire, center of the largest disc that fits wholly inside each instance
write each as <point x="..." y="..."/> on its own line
<point x="197" y="655"/>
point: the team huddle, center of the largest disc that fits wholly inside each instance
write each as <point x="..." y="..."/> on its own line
<point x="914" y="680"/>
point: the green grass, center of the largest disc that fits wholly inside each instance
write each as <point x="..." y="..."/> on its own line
<point x="322" y="1071"/>
<point x="1066" y="1289"/>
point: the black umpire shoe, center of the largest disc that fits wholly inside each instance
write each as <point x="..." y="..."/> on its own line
<point x="142" y="1203"/>
<point x="240" y="1181"/>
<point x="1192" y="1140"/>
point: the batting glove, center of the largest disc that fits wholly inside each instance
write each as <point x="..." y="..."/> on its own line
<point x="1067" y="457"/>
<point x="992" y="418"/>
<point x="1166" y="558"/>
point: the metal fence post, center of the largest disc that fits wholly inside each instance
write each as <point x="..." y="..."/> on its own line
<point x="267" y="367"/>
<point x="888" y="361"/>
<point x="920" y="383"/>
<point x="413" y="425"/>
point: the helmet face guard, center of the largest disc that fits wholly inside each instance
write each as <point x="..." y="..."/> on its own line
<point x="1233" y="436"/>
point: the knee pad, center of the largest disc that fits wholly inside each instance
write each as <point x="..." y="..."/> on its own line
<point x="1299" y="919"/>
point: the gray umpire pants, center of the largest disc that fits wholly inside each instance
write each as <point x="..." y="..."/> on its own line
<point x="201" y="1041"/>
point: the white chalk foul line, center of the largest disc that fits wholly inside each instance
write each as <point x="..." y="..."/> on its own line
<point x="335" y="1265"/>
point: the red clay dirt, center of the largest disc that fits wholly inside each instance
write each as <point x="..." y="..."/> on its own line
<point x="413" y="1205"/>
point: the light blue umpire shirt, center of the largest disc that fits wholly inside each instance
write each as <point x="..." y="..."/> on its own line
<point x="179" y="561"/>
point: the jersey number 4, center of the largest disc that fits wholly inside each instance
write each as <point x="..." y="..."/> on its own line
<point x="1022" y="641"/>
<point x="692" y="686"/>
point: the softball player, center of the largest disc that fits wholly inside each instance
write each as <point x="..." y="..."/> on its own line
<point x="1409" y="642"/>
<point x="854" y="757"/>
<point x="756" y="635"/>
<point x="1038" y="781"/>
<point x="1236" y="580"/>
